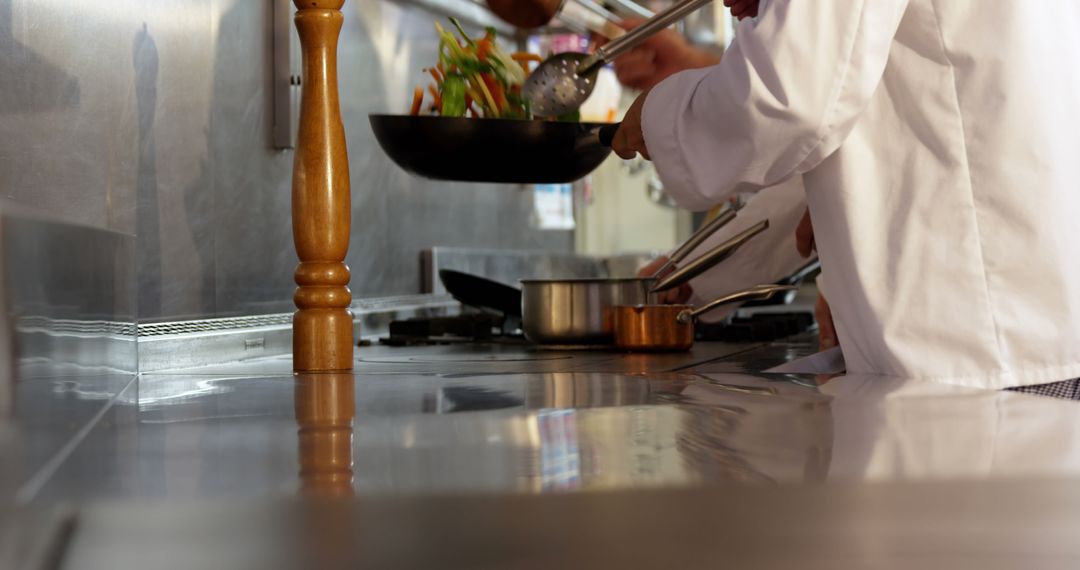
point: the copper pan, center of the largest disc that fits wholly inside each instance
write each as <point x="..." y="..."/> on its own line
<point x="670" y="328"/>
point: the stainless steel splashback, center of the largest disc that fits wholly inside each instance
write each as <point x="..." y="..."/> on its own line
<point x="155" y="119"/>
<point x="68" y="298"/>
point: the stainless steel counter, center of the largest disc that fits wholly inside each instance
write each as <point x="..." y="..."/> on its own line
<point x="424" y="419"/>
<point x="990" y="526"/>
<point x="474" y="428"/>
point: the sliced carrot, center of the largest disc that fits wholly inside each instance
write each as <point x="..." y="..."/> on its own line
<point x="435" y="74"/>
<point x="523" y="59"/>
<point x="483" y="48"/>
<point x="417" y="100"/>
<point x="435" y="95"/>
<point x="496" y="90"/>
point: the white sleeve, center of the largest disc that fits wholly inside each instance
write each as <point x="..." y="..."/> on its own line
<point x="783" y="98"/>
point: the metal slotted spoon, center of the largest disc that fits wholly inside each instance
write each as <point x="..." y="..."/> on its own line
<point x="562" y="82"/>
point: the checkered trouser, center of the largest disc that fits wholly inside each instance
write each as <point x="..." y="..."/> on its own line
<point x="1067" y="389"/>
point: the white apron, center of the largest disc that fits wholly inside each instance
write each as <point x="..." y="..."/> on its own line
<point x="940" y="148"/>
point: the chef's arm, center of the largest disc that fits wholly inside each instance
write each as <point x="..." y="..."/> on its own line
<point x="786" y="94"/>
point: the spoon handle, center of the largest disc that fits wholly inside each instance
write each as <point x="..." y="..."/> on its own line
<point x="632" y="38"/>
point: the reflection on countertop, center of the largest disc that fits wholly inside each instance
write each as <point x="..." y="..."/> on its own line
<point x="235" y="433"/>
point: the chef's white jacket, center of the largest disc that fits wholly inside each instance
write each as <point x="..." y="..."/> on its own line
<point x="939" y="146"/>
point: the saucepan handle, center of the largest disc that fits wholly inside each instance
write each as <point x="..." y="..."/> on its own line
<point x="710" y="259"/>
<point x="691" y="243"/>
<point x="755" y="293"/>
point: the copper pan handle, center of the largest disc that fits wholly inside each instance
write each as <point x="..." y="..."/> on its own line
<point x="755" y="293"/>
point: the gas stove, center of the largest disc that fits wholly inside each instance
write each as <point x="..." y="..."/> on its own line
<point x="458" y="329"/>
<point x="491" y="328"/>
<point x="756" y="327"/>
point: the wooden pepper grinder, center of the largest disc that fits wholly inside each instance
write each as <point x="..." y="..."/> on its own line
<point x="321" y="209"/>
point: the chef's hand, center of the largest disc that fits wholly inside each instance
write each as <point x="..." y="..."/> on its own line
<point x="826" y="329"/>
<point x="658" y="57"/>
<point x="677" y="296"/>
<point x="804" y="242"/>
<point x="629" y="140"/>
<point x="742" y="8"/>
<point x="804" y="235"/>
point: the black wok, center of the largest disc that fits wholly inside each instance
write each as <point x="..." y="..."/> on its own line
<point x="480" y="292"/>
<point x="493" y="150"/>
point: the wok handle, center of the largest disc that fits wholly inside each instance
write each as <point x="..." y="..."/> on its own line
<point x="606" y="133"/>
<point x="755" y="293"/>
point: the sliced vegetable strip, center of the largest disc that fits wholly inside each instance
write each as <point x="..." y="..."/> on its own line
<point x="525" y="56"/>
<point x="474" y="75"/>
<point x="453" y="96"/>
<point x="417" y="100"/>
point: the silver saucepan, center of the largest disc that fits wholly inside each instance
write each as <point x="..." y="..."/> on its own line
<point x="575" y="312"/>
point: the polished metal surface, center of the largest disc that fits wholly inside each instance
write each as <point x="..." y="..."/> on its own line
<point x="53" y="415"/>
<point x="508" y="356"/>
<point x="453" y="419"/>
<point x="555" y="87"/>
<point x="945" y="525"/>
<point x="985" y="467"/>
<point x="204" y="342"/>
<point x="164" y="130"/>
<point x="577" y="311"/>
<point x="630" y="8"/>
<point x="7" y="358"/>
<point x="285" y="82"/>
<point x="672" y="441"/>
<point x="68" y="296"/>
<point x="211" y="436"/>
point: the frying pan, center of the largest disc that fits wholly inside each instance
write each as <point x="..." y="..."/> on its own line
<point x="506" y="151"/>
<point x="484" y="293"/>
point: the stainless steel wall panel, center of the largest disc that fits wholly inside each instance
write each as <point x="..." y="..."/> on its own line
<point x="251" y="257"/>
<point x="69" y="296"/>
<point x="155" y="118"/>
<point x="67" y="109"/>
<point x="175" y="191"/>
